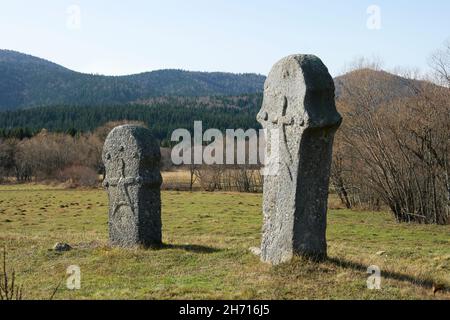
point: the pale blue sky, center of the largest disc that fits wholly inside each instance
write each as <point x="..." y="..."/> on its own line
<point x="123" y="37"/>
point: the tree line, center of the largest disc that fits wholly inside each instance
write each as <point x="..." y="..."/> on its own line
<point x="162" y="116"/>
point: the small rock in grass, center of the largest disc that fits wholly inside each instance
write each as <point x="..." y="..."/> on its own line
<point x="380" y="253"/>
<point x="61" y="247"/>
<point x="255" y="250"/>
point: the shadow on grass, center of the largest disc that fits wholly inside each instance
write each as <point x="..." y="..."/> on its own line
<point x="190" y="248"/>
<point x="422" y="282"/>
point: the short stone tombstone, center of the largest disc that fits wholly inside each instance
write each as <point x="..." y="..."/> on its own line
<point x="299" y="108"/>
<point x="132" y="164"/>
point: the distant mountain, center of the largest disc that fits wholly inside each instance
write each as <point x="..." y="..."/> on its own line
<point x="381" y="85"/>
<point x="27" y="81"/>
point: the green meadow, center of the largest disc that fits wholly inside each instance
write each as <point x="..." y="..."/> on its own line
<point x="206" y="254"/>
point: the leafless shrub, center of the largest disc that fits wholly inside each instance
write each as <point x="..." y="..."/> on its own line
<point x="9" y="290"/>
<point x="79" y="176"/>
<point x="210" y="176"/>
<point x="395" y="152"/>
<point x="242" y="178"/>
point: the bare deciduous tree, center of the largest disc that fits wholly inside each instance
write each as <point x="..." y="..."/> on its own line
<point x="396" y="150"/>
<point x="440" y="63"/>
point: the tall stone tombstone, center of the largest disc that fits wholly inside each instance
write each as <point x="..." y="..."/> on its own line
<point x="299" y="109"/>
<point x="132" y="157"/>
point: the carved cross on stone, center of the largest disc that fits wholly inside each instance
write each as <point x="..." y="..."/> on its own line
<point x="131" y="157"/>
<point x="295" y="199"/>
<point x="281" y="123"/>
<point x="122" y="197"/>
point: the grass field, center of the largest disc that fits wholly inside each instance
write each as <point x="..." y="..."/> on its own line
<point x="207" y="236"/>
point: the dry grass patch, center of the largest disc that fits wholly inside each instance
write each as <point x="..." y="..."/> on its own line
<point x="207" y="236"/>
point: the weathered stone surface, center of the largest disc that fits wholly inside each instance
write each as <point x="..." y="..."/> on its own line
<point x="299" y="102"/>
<point x="132" y="158"/>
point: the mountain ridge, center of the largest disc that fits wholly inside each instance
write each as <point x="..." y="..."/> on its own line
<point x="27" y="81"/>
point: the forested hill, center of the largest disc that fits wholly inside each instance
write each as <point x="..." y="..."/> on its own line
<point x="27" y="81"/>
